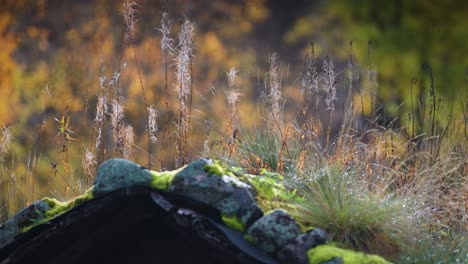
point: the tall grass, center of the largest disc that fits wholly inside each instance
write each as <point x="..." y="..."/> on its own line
<point x="373" y="188"/>
<point x="167" y="47"/>
<point x="185" y="53"/>
<point x="341" y="203"/>
<point x="451" y="247"/>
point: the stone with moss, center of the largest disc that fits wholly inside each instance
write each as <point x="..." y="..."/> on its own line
<point x="213" y="184"/>
<point x="197" y="183"/>
<point x="37" y="213"/>
<point x="271" y="193"/>
<point x="28" y="216"/>
<point x="120" y="173"/>
<point x="239" y="210"/>
<point x="56" y="207"/>
<point x="273" y="231"/>
<point x="327" y="253"/>
<point x="296" y="250"/>
<point x="163" y="180"/>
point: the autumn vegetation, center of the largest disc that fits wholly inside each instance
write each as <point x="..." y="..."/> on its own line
<point x="385" y="178"/>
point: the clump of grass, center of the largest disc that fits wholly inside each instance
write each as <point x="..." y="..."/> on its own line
<point x="260" y="150"/>
<point x="355" y="217"/>
<point x="264" y="149"/>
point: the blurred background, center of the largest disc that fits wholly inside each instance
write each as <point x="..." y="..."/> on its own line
<point x="54" y="56"/>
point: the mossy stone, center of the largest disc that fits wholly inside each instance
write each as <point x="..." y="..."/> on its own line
<point x="242" y="206"/>
<point x="28" y="216"/>
<point x="273" y="231"/>
<point x="212" y="184"/>
<point x="163" y="180"/>
<point x="120" y="173"/>
<point x="196" y="183"/>
<point x="296" y="250"/>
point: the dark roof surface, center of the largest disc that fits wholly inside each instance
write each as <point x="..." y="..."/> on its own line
<point x="130" y="225"/>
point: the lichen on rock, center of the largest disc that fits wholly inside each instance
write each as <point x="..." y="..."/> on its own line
<point x="205" y="181"/>
<point x="57" y="207"/>
<point x="25" y="218"/>
<point x="273" y="231"/>
<point x="196" y="183"/>
<point x="120" y="173"/>
<point x="239" y="210"/>
<point x="296" y="250"/>
<point x="37" y="213"/>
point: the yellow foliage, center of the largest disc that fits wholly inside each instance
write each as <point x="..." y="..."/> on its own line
<point x="212" y="48"/>
<point x="8" y="69"/>
<point x="257" y="10"/>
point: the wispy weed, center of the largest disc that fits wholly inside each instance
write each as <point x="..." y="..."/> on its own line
<point x="130" y="11"/>
<point x="273" y="96"/>
<point x="152" y="124"/>
<point x="183" y="60"/>
<point x="5" y="141"/>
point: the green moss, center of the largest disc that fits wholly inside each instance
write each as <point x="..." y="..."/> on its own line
<point x="233" y="222"/>
<point x="162" y="180"/>
<point x="272" y="175"/>
<point x="272" y="194"/>
<point x="227" y="174"/>
<point x="217" y="168"/>
<point x="250" y="239"/>
<point x="270" y="186"/>
<point x="57" y="207"/>
<point x="325" y="253"/>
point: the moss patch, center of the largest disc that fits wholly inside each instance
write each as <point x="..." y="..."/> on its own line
<point x="57" y="207"/>
<point x="270" y="186"/>
<point x="249" y="238"/>
<point x="271" y="194"/>
<point x="325" y="253"/>
<point x="227" y="174"/>
<point x="217" y="168"/>
<point x="162" y="180"/>
<point x="233" y="222"/>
